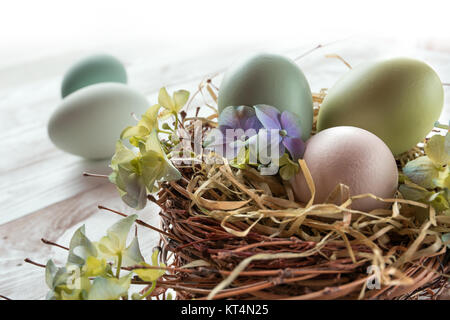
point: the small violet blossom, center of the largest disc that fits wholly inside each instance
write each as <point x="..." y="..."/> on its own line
<point x="286" y="124"/>
<point x="236" y="126"/>
<point x="260" y="128"/>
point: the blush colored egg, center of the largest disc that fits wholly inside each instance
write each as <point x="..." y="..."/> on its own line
<point x="91" y="70"/>
<point x="353" y="157"/>
<point x="399" y="100"/>
<point x="269" y="79"/>
<point x="88" y="122"/>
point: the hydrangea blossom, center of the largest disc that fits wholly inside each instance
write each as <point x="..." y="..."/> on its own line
<point x="286" y="125"/>
<point x="236" y="126"/>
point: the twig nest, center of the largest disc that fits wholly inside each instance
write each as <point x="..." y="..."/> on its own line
<point x="350" y="156"/>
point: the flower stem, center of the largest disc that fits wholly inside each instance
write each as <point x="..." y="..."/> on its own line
<point x="176" y="121"/>
<point x="149" y="291"/>
<point x="119" y="264"/>
<point x="164" y="131"/>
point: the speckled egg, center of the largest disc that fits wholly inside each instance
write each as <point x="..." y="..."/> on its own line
<point x="272" y="80"/>
<point x="91" y="70"/>
<point x="351" y="156"/>
<point x="88" y="122"/>
<point x="398" y="99"/>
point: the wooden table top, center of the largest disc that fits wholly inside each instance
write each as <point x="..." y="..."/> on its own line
<point x="42" y="191"/>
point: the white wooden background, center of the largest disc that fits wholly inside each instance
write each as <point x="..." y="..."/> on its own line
<point x="42" y="191"/>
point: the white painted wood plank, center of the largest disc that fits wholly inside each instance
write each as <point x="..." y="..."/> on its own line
<point x="20" y="239"/>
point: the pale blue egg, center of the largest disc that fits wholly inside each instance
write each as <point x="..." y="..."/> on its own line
<point x="88" y="122"/>
<point x="91" y="70"/>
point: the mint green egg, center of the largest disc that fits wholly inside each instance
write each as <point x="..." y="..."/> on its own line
<point x="397" y="99"/>
<point x="91" y="70"/>
<point x="269" y="79"/>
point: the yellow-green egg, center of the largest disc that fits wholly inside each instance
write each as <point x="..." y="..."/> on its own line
<point x="398" y="99"/>
<point x="91" y="70"/>
<point x="272" y="80"/>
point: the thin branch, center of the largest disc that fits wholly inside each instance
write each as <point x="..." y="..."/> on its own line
<point x="4" y="297"/>
<point x="140" y="222"/>
<point x="34" y="263"/>
<point x="185" y="270"/>
<point x="51" y="243"/>
<point x="308" y="52"/>
<point x="94" y="175"/>
<point x="319" y="46"/>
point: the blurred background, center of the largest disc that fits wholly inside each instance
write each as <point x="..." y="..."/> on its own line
<point x="162" y="43"/>
<point x="32" y="29"/>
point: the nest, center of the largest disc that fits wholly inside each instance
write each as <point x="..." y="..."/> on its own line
<point x="235" y="234"/>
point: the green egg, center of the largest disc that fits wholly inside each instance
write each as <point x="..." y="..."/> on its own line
<point x="269" y="79"/>
<point x="398" y="100"/>
<point x="88" y="122"/>
<point x="91" y="70"/>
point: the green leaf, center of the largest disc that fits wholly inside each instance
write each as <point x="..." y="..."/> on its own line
<point x="439" y="201"/>
<point x="414" y="192"/>
<point x="172" y="105"/>
<point x="126" y="176"/>
<point x="129" y="132"/>
<point x="155" y="163"/>
<point x="288" y="167"/>
<point x="50" y="271"/>
<point x="443" y="181"/>
<point x="132" y="188"/>
<point x="135" y="175"/>
<point x="422" y="171"/>
<point x="243" y="157"/>
<point x="132" y="255"/>
<point x="149" y="119"/>
<point x="152" y="168"/>
<point x="109" y="288"/>
<point x="151" y="275"/>
<point x="287" y="172"/>
<point x="123" y="156"/>
<point x="165" y="100"/>
<point x="180" y="98"/>
<point x="83" y="285"/>
<point x="436" y="150"/>
<point x="80" y="248"/>
<point x="114" y="243"/>
<point x="148" y="122"/>
<point x="55" y="276"/>
<point x="95" y="267"/>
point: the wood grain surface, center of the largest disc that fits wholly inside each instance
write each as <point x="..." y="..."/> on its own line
<point x="42" y="191"/>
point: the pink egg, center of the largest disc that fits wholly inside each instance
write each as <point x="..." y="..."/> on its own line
<point x="351" y="156"/>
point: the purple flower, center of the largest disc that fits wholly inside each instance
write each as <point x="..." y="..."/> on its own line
<point x="289" y="131"/>
<point x="241" y="117"/>
<point x="236" y="126"/>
